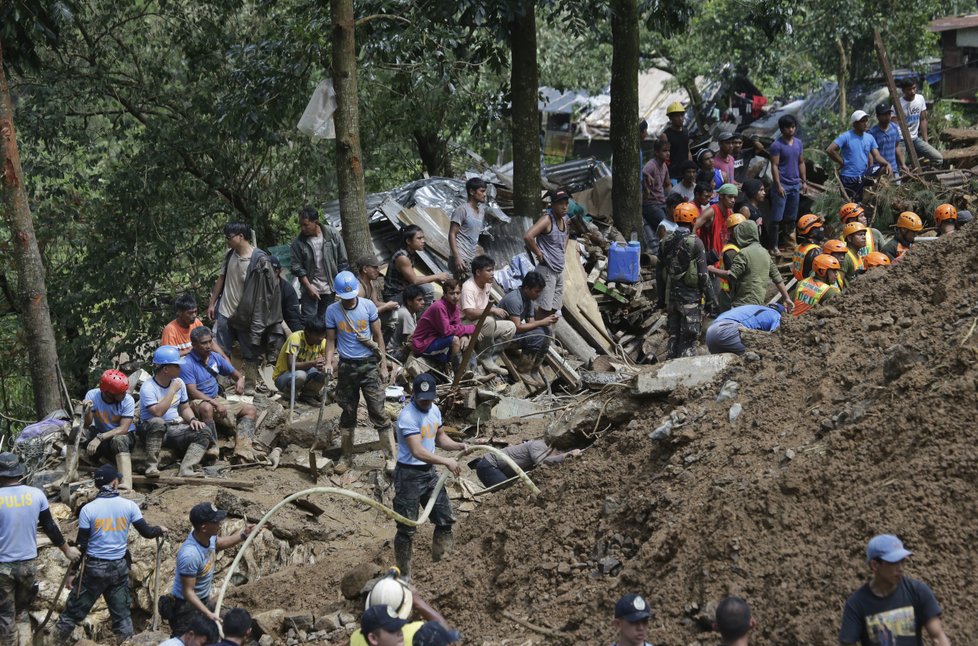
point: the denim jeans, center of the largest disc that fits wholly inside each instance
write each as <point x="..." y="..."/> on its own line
<point x="106" y="579"/>
<point x="412" y="489"/>
<point x="924" y="149"/>
<point x="785" y="207"/>
<point x="226" y="335"/>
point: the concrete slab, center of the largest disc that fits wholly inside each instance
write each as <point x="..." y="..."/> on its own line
<point x="509" y="407"/>
<point x="686" y="371"/>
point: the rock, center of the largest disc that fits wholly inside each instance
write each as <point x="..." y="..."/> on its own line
<point x="686" y="371"/>
<point x="789" y="455"/>
<point x="346" y="618"/>
<point x="826" y="425"/>
<point x="663" y="431"/>
<point x="269" y="622"/>
<point x="302" y="430"/>
<point x="353" y="581"/>
<point x="572" y="430"/>
<point x="301" y="622"/>
<point x="751" y="356"/>
<point x="149" y="638"/>
<point x="899" y="359"/>
<point x="509" y="407"/>
<point x="266" y="640"/>
<point x="728" y="391"/>
<point x="609" y="507"/>
<point x="328" y="623"/>
<point x="564" y="568"/>
<point x="609" y="565"/>
<point x="735" y="412"/>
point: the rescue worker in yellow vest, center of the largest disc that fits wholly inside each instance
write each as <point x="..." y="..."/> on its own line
<point x="728" y="253"/>
<point x="852" y="212"/>
<point x="838" y="250"/>
<point x="820" y="286"/>
<point x="854" y="233"/>
<point x="682" y="282"/>
<point x="946" y="218"/>
<point x="809" y="234"/>
<point x="876" y="259"/>
<point x="908" y="225"/>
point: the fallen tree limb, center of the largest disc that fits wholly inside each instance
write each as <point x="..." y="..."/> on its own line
<point x="175" y="481"/>
<point x="535" y="628"/>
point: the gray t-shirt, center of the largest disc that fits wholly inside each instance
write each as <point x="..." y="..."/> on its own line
<point x="234" y="281"/>
<point x="319" y="279"/>
<point x="516" y="305"/>
<point x="469" y="223"/>
<point x="526" y="456"/>
<point x="895" y="620"/>
<point x="680" y="189"/>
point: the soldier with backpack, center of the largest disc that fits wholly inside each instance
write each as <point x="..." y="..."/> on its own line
<point x="683" y="282"/>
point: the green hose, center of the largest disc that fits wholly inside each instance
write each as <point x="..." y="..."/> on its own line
<point x="366" y="500"/>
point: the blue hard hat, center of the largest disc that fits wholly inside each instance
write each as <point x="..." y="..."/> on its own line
<point x="346" y="285"/>
<point x="167" y="355"/>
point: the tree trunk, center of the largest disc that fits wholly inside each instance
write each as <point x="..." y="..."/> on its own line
<point x="433" y="151"/>
<point x="843" y="79"/>
<point x="31" y="291"/>
<point x="626" y="186"/>
<point x="349" y="160"/>
<point x="524" y="88"/>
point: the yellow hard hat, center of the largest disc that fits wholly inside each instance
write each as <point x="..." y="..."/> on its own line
<point x="675" y="106"/>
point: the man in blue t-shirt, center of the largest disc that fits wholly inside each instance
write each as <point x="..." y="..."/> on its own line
<point x="419" y="431"/>
<point x="199" y="372"/>
<point x="852" y="151"/>
<point x="103" y="537"/>
<point x="888" y="137"/>
<point x="892" y="609"/>
<point x="21" y="509"/>
<point x="195" y="566"/>
<point x="353" y="330"/>
<point x="108" y="420"/>
<point x="165" y="417"/>
<point x="723" y="335"/>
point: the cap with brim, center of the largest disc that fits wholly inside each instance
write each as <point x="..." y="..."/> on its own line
<point x="206" y="512"/>
<point x="560" y="196"/>
<point x="424" y="387"/>
<point x="11" y="466"/>
<point x="434" y="634"/>
<point x="858" y="116"/>
<point x="778" y="307"/>
<point x="884" y="108"/>
<point x="367" y="261"/>
<point x="728" y="189"/>
<point x="632" y="608"/>
<point x="106" y="474"/>
<point x="380" y="618"/>
<point x="725" y="136"/>
<point x="886" y="547"/>
<point x="275" y="262"/>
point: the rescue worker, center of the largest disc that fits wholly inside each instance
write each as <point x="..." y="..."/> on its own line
<point x="946" y="219"/>
<point x="727" y="255"/>
<point x="103" y="537"/>
<point x="852" y="212"/>
<point x="809" y="234"/>
<point x="682" y="281"/>
<point x="838" y="250"/>
<point x="19" y="519"/>
<point x="908" y="225"/>
<point x="350" y="324"/>
<point x="109" y="421"/>
<point x="752" y="268"/>
<point x="390" y="590"/>
<point x="419" y="431"/>
<point x="876" y="259"/>
<point x="854" y="233"/>
<point x="820" y="287"/>
<point x="631" y="623"/>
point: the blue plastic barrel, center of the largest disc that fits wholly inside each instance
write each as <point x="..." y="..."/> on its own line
<point x="623" y="262"/>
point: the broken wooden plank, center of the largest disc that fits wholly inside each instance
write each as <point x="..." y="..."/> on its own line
<point x="176" y="481"/>
<point x="577" y="297"/>
<point x="959" y="135"/>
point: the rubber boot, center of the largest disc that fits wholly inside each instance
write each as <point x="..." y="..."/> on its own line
<point x="193" y="456"/>
<point x="251" y="377"/>
<point x="490" y="365"/>
<point x="244" y="434"/>
<point x="402" y="555"/>
<point x="346" y="459"/>
<point x="389" y="448"/>
<point x="123" y="463"/>
<point x="154" y="442"/>
<point x="442" y="544"/>
<point x="213" y="452"/>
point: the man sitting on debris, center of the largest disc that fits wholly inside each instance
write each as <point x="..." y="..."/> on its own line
<point x="631" y="622"/>
<point x="110" y="422"/>
<point x="820" y="287"/>
<point x="682" y="281"/>
<point x="440" y="333"/>
<point x="177" y="332"/>
<point x="308" y="348"/>
<point x="165" y="416"/>
<point x="201" y="632"/>
<point x="103" y="537"/>
<point x="946" y="219"/>
<point x="194" y="572"/>
<point x="810" y="235"/>
<point x="852" y="151"/>
<point x="493" y="470"/>
<point x="915" y="109"/>
<point x="353" y="331"/>
<point x="401" y="271"/>
<point x="407" y="321"/>
<point x="907" y="226"/>
<point x="497" y="330"/>
<point x="734" y="622"/>
<point x="532" y="334"/>
<point x="199" y="373"/>
<point x="852" y="212"/>
<point x="891" y="608"/>
<point x="723" y="335"/>
<point x="466" y="227"/>
<point x="419" y="431"/>
<point x="18" y="544"/>
<point x="368" y="271"/>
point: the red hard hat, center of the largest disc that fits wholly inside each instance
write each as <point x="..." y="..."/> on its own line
<point x="113" y="382"/>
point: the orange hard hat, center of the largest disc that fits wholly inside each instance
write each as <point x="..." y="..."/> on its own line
<point x="734" y="219"/>
<point x="849" y="211"/>
<point x="686" y="213"/>
<point x="876" y="259"/>
<point x="945" y="212"/>
<point x="823" y="263"/>
<point x="834" y="246"/>
<point x="808" y="222"/>
<point x="910" y="221"/>
<point x="852" y="227"/>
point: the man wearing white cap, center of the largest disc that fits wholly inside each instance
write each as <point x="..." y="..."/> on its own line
<point x="853" y="151"/>
<point x="891" y="609"/>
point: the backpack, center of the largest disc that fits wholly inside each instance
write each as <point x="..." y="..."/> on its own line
<point x="681" y="264"/>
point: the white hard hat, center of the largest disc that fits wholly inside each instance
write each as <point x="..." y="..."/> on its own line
<point x="391" y="592"/>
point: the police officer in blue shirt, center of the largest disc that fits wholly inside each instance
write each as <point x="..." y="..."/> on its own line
<point x="103" y="537"/>
<point x="21" y="509"/>
<point x="418" y="432"/>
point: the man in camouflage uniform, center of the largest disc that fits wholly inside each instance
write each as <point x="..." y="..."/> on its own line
<point x="683" y="282"/>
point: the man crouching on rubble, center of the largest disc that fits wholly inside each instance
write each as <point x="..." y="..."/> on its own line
<point x="418" y="432"/>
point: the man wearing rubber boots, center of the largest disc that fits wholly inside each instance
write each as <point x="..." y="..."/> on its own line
<point x="165" y="417"/>
<point x="18" y="544"/>
<point x="418" y="432"/>
<point x="350" y="323"/>
<point x="199" y="373"/>
<point x="103" y="537"/>
<point x="109" y="423"/>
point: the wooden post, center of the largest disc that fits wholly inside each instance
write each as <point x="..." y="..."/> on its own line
<point x="895" y="98"/>
<point x="473" y="340"/>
